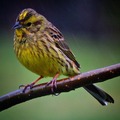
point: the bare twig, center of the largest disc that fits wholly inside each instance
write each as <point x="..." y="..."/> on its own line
<point x="63" y="85"/>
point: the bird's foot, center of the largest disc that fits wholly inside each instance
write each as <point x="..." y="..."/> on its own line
<point x="25" y="87"/>
<point x="30" y="86"/>
<point x="53" y="84"/>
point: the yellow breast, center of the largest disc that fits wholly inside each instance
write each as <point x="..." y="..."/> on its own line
<point x="38" y="60"/>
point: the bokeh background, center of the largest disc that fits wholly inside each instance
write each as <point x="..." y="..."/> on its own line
<point x="92" y="30"/>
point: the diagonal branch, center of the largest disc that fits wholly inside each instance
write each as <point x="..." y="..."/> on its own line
<point x="63" y="85"/>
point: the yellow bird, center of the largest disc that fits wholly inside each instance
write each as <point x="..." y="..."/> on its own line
<point x="41" y="48"/>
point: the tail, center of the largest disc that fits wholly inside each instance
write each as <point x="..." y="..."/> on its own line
<point x="99" y="94"/>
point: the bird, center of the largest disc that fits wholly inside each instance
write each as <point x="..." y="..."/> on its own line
<point x="41" y="48"/>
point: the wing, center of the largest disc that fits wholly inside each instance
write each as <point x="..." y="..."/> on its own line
<point x="60" y="43"/>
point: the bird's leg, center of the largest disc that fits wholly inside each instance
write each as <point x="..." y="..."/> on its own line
<point x="30" y="85"/>
<point x="53" y="84"/>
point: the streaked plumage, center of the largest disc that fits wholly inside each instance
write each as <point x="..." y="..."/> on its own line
<point x="41" y="48"/>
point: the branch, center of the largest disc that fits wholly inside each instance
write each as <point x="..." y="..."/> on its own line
<point x="63" y="85"/>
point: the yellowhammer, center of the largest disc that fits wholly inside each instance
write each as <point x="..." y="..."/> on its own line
<point x="41" y="48"/>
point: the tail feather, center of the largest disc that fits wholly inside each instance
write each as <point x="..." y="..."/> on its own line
<point x="99" y="94"/>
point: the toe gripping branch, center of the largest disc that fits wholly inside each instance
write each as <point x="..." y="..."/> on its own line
<point x="53" y="84"/>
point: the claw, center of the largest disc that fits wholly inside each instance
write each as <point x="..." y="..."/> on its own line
<point x="21" y="86"/>
<point x="53" y="84"/>
<point x="27" y="86"/>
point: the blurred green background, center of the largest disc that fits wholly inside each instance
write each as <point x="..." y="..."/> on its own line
<point x="92" y="30"/>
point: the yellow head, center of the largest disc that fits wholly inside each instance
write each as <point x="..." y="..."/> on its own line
<point x="29" y="18"/>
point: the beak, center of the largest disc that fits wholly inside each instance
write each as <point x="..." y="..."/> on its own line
<point x="17" y="25"/>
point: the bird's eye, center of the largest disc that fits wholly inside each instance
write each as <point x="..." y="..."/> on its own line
<point x="28" y="24"/>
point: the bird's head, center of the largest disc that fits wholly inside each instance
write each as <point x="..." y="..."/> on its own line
<point x="29" y="19"/>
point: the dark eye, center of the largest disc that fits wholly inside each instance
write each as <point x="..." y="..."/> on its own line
<point x="28" y="24"/>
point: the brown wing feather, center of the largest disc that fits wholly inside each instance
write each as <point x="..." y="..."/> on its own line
<point x="60" y="43"/>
